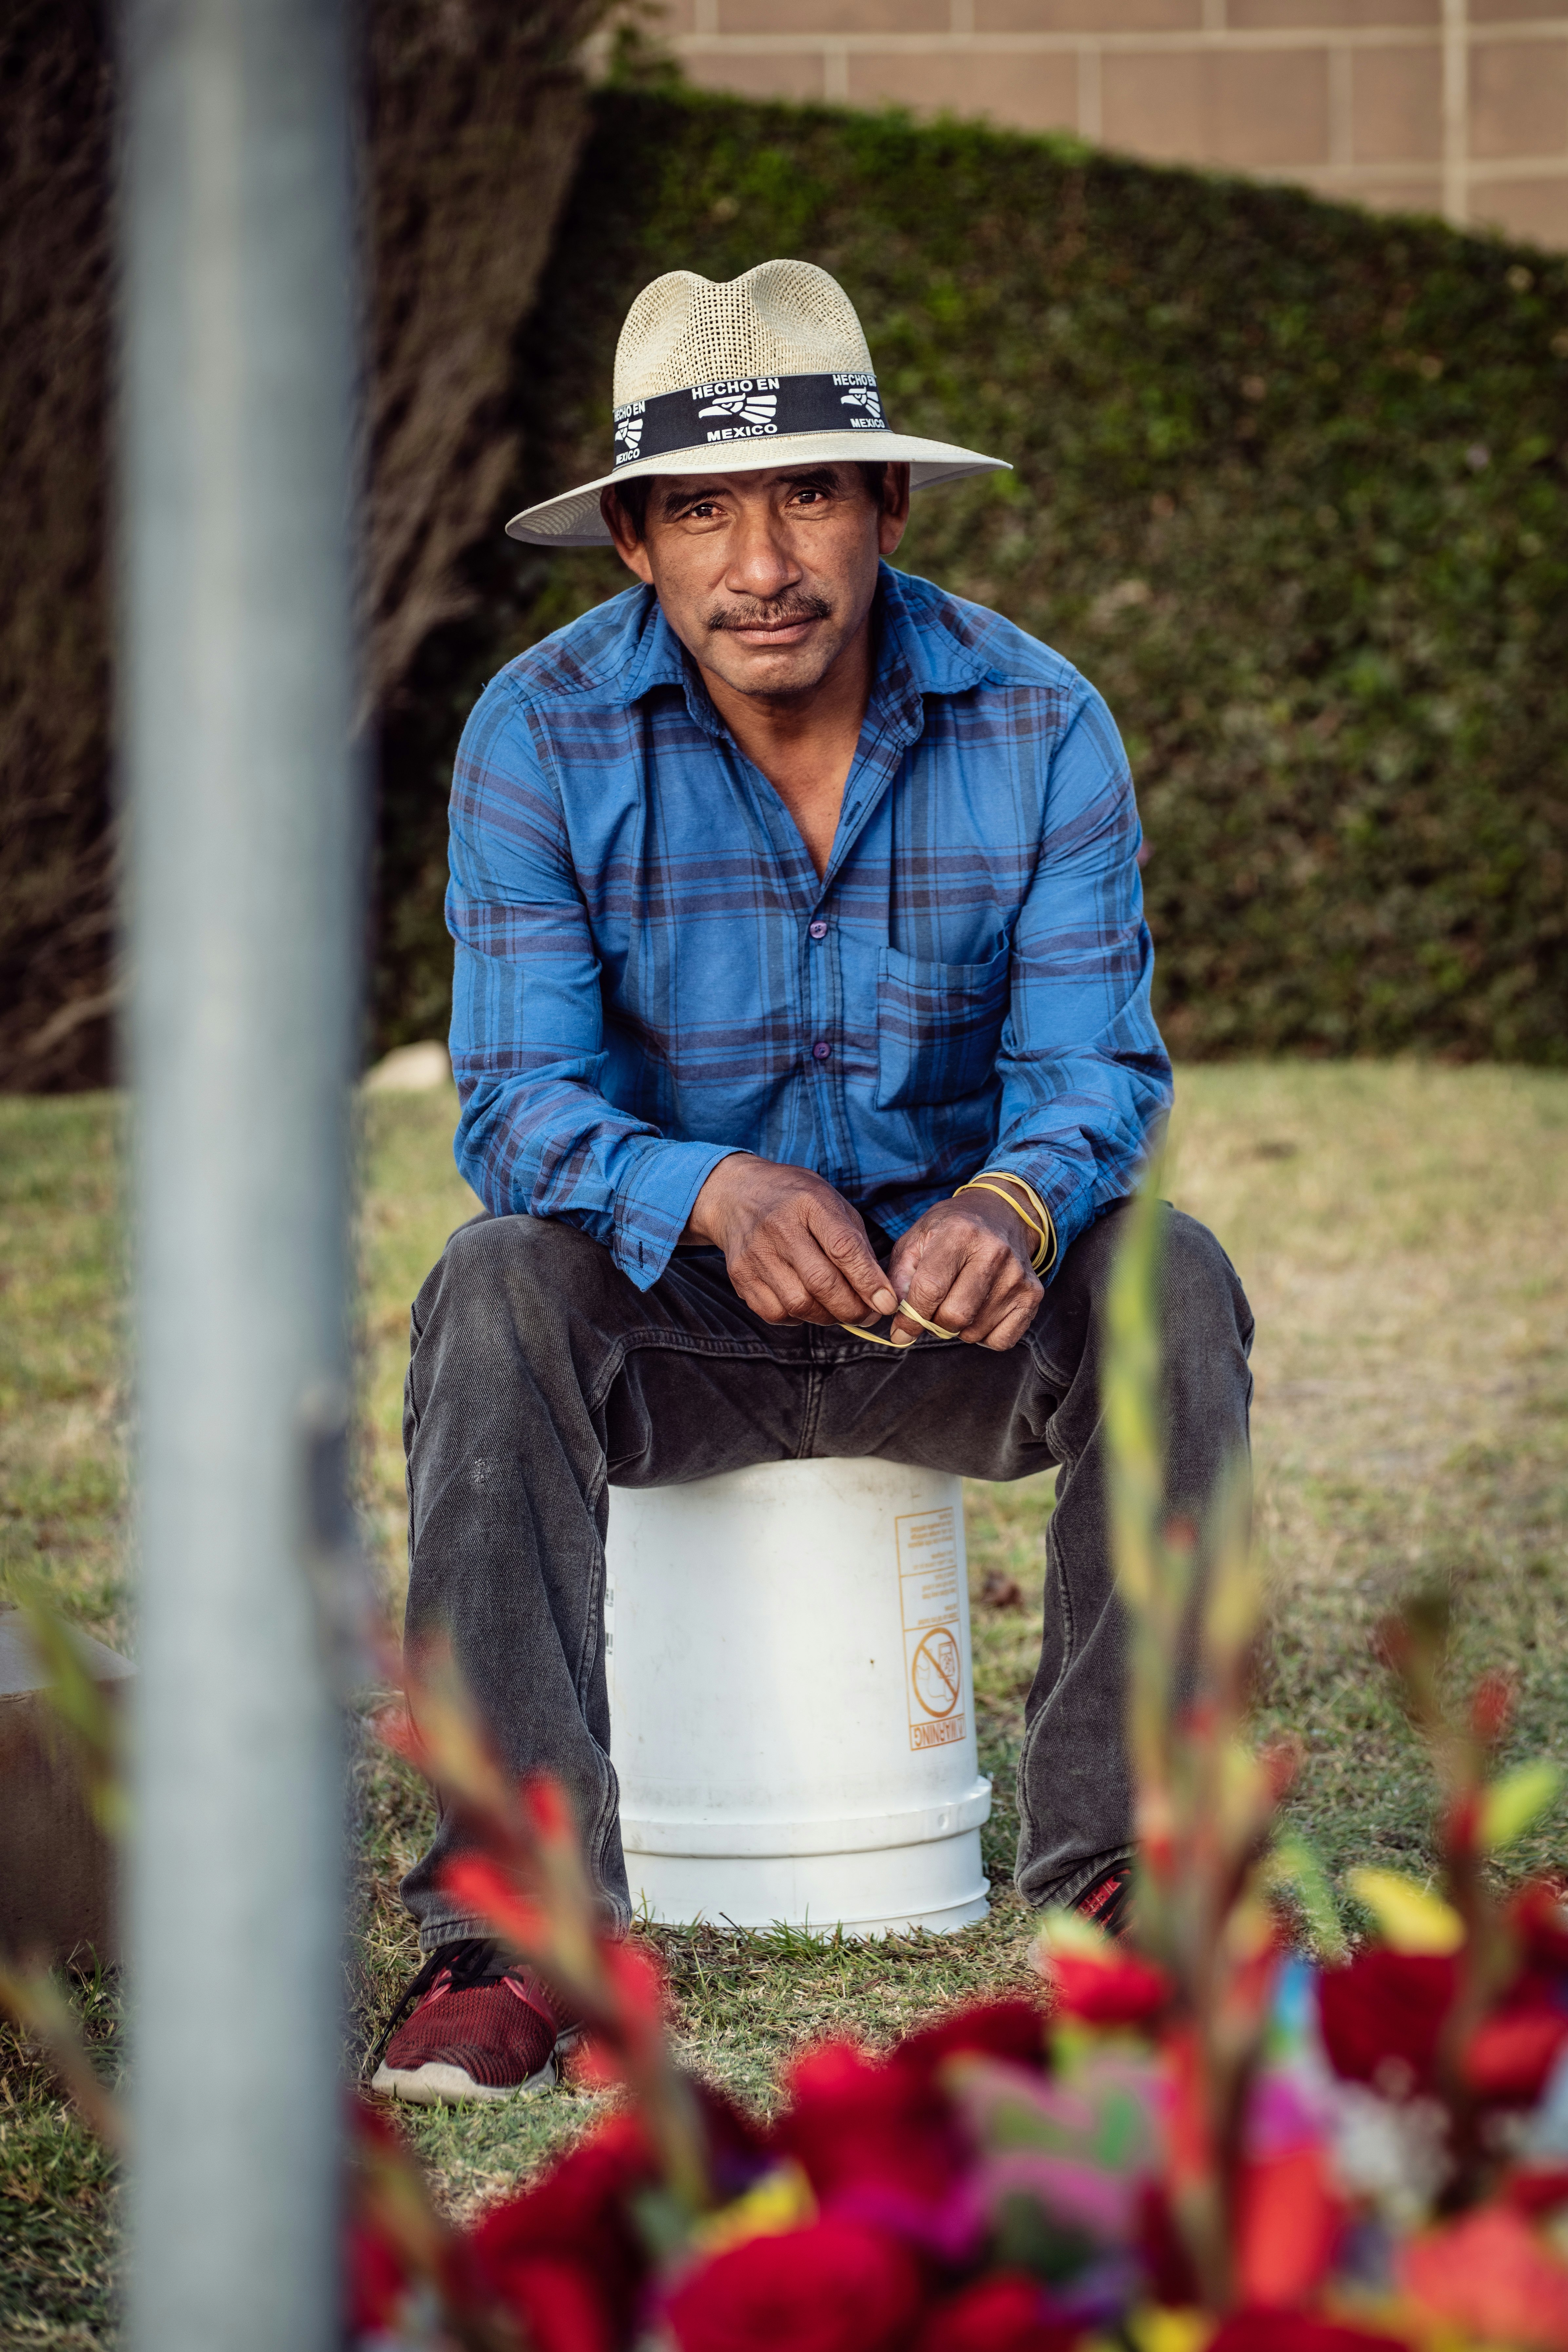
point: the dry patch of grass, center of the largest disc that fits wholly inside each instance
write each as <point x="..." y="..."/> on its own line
<point x="1400" y="1232"/>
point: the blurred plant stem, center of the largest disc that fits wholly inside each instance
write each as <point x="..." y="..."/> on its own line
<point x="81" y="1706"/>
<point x="1205" y="1802"/>
<point x="522" y="1871"/>
<point x="33" y="2000"/>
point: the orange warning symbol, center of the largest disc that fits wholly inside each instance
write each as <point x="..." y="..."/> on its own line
<point x="929" y="1566"/>
<point x="934" y="1671"/>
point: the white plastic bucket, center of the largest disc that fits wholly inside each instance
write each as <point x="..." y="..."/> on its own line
<point x="792" y="1700"/>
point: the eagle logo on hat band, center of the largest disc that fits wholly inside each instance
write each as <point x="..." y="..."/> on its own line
<point x="744" y="407"/>
<point x="865" y="397"/>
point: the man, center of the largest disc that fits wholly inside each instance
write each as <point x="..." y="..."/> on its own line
<point x="802" y="987"/>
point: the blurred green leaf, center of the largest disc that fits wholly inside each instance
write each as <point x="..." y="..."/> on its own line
<point x="1511" y="1804"/>
<point x="1295" y="1864"/>
<point x="1410" y="1918"/>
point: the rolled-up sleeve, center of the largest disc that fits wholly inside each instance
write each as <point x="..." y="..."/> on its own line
<point x="535" y="1134"/>
<point x="1086" y="1080"/>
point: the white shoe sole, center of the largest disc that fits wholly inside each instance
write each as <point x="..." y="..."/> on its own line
<point x="452" y="2086"/>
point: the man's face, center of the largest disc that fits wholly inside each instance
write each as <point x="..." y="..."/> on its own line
<point x="765" y="578"/>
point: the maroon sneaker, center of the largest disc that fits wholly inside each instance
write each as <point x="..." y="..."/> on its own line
<point x="1105" y="1902"/>
<point x="479" y="2029"/>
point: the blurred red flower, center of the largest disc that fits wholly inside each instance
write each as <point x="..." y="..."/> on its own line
<point x="1015" y="2030"/>
<point x="835" y="2286"/>
<point x="1490" y="2272"/>
<point x="1117" y="1991"/>
<point x="1288" y="2225"/>
<point x="563" y="2308"/>
<point x="1538" y="2189"/>
<point x="374" y="2281"/>
<point x="572" y="2220"/>
<point x="1295" y="2331"/>
<point x="1008" y="2311"/>
<point x="855" y="2122"/>
<point x="1386" y="2006"/>
<point x="1162" y="2251"/>
<point x="1509" y="2057"/>
<point x="1537" y="1916"/>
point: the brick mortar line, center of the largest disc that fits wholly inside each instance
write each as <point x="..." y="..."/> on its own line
<point x="1350" y="36"/>
<point x="1497" y="168"/>
<point x="1479" y="174"/>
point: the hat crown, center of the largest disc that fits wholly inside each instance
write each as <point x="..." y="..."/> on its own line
<point x="783" y="318"/>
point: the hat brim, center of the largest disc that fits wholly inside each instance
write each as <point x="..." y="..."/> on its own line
<point x="574" y="520"/>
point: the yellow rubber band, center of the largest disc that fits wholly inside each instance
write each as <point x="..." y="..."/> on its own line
<point x="982" y="1184"/>
<point x="913" y="1315"/>
<point x="992" y="1180"/>
<point x="1042" y="1235"/>
<point x="1009" y="1176"/>
<point x="1041" y="1221"/>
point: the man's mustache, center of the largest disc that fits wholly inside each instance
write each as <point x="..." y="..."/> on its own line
<point x="781" y="615"/>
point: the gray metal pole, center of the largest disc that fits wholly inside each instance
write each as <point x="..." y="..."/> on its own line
<point x="237" y="636"/>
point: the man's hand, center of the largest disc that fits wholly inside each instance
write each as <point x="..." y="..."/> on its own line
<point x="966" y="1266"/>
<point x="796" y="1251"/>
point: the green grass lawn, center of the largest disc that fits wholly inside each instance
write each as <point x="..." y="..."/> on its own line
<point x="1400" y="1230"/>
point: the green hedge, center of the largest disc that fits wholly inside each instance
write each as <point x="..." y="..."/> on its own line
<point x="1291" y="488"/>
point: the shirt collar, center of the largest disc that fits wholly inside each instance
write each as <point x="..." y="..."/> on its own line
<point x="657" y="658"/>
<point x="918" y="654"/>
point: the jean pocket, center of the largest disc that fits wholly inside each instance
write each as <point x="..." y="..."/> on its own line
<point x="939" y="1027"/>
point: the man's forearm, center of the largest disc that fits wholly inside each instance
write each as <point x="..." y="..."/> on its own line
<point x="702" y="1225"/>
<point x="551" y="1146"/>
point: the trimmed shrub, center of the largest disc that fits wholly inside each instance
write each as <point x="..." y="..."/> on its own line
<point x="1291" y="486"/>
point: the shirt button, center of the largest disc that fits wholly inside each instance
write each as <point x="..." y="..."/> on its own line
<point x="819" y="930"/>
<point x="821" y="1050"/>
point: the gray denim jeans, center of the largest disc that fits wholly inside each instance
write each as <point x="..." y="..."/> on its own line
<point x="539" y="1378"/>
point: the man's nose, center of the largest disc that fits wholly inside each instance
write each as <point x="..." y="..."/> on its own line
<point x="760" y="564"/>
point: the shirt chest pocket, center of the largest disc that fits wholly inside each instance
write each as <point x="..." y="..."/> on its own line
<point x="939" y="1026"/>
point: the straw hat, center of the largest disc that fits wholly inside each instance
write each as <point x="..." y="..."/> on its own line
<point x="768" y="369"/>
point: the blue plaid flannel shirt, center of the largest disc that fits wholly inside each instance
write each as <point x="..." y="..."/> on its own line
<point x="649" y="973"/>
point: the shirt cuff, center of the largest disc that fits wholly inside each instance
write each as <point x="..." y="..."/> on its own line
<point x="653" y="1199"/>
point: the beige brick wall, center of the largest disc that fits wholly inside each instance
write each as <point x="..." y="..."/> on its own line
<point x="1452" y="106"/>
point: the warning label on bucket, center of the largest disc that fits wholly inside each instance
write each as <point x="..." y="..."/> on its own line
<point x="928" y="1591"/>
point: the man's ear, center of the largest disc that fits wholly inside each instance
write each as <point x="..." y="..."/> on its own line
<point x="895" y="511"/>
<point x="628" y="540"/>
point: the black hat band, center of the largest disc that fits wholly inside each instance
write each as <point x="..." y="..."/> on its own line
<point x="747" y="408"/>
